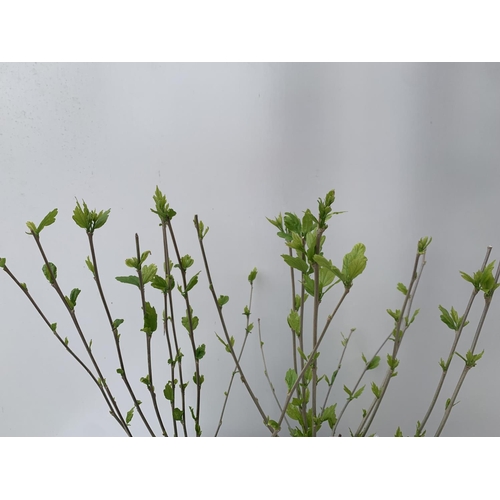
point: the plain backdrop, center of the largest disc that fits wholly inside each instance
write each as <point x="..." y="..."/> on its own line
<point x="411" y="150"/>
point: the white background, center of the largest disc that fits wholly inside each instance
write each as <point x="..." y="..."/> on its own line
<point x="411" y="150"/>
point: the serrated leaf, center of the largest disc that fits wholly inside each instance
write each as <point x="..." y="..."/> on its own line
<point x="294" y="321"/>
<point x="131" y="280"/>
<point x="358" y="393"/>
<point x="329" y="415"/>
<point x="375" y="390"/>
<point x="148" y="273"/>
<point x="192" y="282"/>
<point x="402" y="289"/>
<point x="49" y="219"/>
<point x="222" y="300"/>
<point x="200" y="352"/>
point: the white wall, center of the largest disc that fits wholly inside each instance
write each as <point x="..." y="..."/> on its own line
<point x="411" y="150"/>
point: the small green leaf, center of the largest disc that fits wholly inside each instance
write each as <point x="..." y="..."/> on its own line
<point x="31" y="227"/>
<point x="423" y="244"/>
<point x="131" y="280"/>
<point x="246" y="311"/>
<point x="192" y="282"/>
<point x="186" y="262"/>
<point x="198" y="381"/>
<point x="375" y="390"/>
<point x="290" y="378"/>
<point x="117" y="323"/>
<point x="252" y="275"/>
<point x="168" y="392"/>
<point x="402" y="289"/>
<point x="132" y="262"/>
<point x="358" y="393"/>
<point x="90" y="265"/>
<point x="222" y="300"/>
<point x="398" y="433"/>
<point x="373" y="363"/>
<point x="148" y="273"/>
<point x="348" y="391"/>
<point x="49" y="219"/>
<point x="73" y="296"/>
<point x="66" y="341"/>
<point x="296" y="263"/>
<point x="329" y="415"/>
<point x="130" y="415"/>
<point x="53" y="327"/>
<point x="145" y="380"/>
<point x="200" y="352"/>
<point x="294" y="321"/>
<point x="2" y="262"/>
<point x="178" y="413"/>
<point x="143" y="258"/>
<point x="50" y="277"/>
<point x="150" y="319"/>
<point x="120" y="371"/>
<point x="294" y="412"/>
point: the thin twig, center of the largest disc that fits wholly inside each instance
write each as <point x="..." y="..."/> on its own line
<point x="70" y="351"/>
<point x="115" y="333"/>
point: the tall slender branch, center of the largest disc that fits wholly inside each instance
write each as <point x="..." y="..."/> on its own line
<point x="150" y="385"/>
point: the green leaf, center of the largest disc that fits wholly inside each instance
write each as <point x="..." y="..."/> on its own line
<point x="150" y="319"/>
<point x="290" y="378"/>
<point x="296" y="243"/>
<point x="294" y="412"/>
<point x="296" y="263"/>
<point x="198" y="381"/>
<point x="202" y="231"/>
<point x="392" y="362"/>
<point x="185" y="321"/>
<point x="49" y="219"/>
<point x="131" y="280"/>
<point x="101" y="218"/>
<point x="2" y="262"/>
<point x="348" y="391"/>
<point x="132" y="262"/>
<point x="358" y="393"/>
<point x="373" y="363"/>
<point x="31" y="227"/>
<point x="423" y="244"/>
<point x="50" y="277"/>
<point x="178" y="414"/>
<point x="186" y="262"/>
<point x="246" y="312"/>
<point x="53" y="327"/>
<point x="145" y="380"/>
<point x="120" y="371"/>
<point x="329" y="415"/>
<point x="130" y="415"/>
<point x="249" y="328"/>
<point x="354" y="263"/>
<point x="402" y="289"/>
<point x="278" y="222"/>
<point x="66" y="341"/>
<point x="294" y="321"/>
<point x="222" y="300"/>
<point x="148" y="273"/>
<point x="117" y="323"/>
<point x="192" y="283"/>
<point x="168" y="392"/>
<point x="376" y="390"/>
<point x="394" y="314"/>
<point x="90" y="265"/>
<point x="163" y="210"/>
<point x="398" y="433"/>
<point x="252" y="275"/>
<point x="292" y="223"/>
<point x="143" y="258"/>
<point x="73" y="296"/>
<point x="200" y="352"/>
